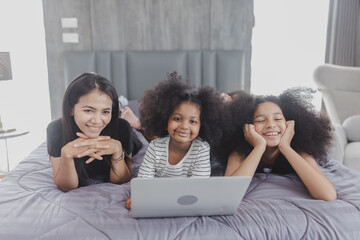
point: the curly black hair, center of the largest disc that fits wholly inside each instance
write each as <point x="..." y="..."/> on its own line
<point x="158" y="103"/>
<point x="313" y="131"/>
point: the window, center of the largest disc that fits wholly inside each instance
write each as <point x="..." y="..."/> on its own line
<point x="289" y="40"/>
<point x="24" y="101"/>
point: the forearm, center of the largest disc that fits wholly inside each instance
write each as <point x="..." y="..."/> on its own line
<point x="247" y="166"/>
<point x="315" y="181"/>
<point x="66" y="177"/>
<point x="120" y="172"/>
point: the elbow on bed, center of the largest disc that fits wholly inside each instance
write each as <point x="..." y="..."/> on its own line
<point x="65" y="189"/>
<point x="330" y="196"/>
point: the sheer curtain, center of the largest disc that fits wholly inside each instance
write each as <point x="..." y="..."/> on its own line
<point x="343" y="33"/>
<point x="289" y="40"/>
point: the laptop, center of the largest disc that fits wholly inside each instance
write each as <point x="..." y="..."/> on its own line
<point x="176" y="197"/>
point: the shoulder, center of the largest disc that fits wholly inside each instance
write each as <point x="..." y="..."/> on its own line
<point x="123" y="125"/>
<point x="159" y="144"/>
<point x="200" y="146"/>
<point x="160" y="141"/>
<point x="124" y="129"/>
<point x="54" y="130"/>
<point x="54" y="126"/>
<point x="54" y="138"/>
<point x="199" y="142"/>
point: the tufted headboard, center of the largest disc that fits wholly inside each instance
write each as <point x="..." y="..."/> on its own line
<point x="132" y="72"/>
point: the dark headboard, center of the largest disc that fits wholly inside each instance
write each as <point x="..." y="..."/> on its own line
<point x="132" y="72"/>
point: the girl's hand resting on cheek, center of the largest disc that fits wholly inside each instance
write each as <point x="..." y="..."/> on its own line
<point x="252" y="137"/>
<point x="288" y="134"/>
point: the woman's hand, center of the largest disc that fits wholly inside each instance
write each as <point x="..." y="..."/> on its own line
<point x="288" y="135"/>
<point x="252" y="137"/>
<point x="97" y="148"/>
<point x="84" y="146"/>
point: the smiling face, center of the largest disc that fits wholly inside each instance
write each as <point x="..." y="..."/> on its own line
<point x="93" y="112"/>
<point x="184" y="123"/>
<point x="270" y="123"/>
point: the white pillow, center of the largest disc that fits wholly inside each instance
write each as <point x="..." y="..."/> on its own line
<point x="352" y="128"/>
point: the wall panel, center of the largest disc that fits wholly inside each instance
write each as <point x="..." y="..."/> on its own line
<point x="145" y="25"/>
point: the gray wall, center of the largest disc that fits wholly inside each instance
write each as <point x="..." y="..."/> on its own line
<point x="145" y="25"/>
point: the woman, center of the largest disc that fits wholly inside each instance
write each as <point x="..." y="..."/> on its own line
<point x="90" y="144"/>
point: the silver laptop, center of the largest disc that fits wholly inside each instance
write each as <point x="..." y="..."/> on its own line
<point x="175" y="197"/>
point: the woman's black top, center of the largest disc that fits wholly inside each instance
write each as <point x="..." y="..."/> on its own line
<point x="98" y="170"/>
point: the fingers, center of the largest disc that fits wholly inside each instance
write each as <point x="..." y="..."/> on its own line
<point x="289" y="133"/>
<point x="290" y="122"/>
<point x="92" y="143"/>
<point x="89" y="160"/>
<point x="290" y="126"/>
<point x="93" y="153"/>
<point x="99" y="138"/>
<point x="249" y="128"/>
<point x="95" y="149"/>
<point x="94" y="156"/>
<point x="128" y="203"/>
<point x="79" y="134"/>
<point x="225" y="97"/>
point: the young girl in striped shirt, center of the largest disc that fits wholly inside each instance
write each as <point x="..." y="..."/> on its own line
<point x="186" y="122"/>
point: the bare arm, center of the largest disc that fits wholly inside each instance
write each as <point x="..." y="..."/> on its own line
<point x="121" y="172"/>
<point x="239" y="165"/>
<point x="130" y="116"/>
<point x="64" y="171"/>
<point x="134" y="122"/>
<point x="307" y="169"/>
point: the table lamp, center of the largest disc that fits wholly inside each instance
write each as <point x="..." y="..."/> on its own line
<point x="5" y="74"/>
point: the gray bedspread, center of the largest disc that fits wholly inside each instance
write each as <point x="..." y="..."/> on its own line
<point x="275" y="207"/>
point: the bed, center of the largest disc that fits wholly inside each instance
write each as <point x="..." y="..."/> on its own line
<point x="274" y="207"/>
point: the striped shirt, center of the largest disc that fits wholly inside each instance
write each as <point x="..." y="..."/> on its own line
<point x="195" y="163"/>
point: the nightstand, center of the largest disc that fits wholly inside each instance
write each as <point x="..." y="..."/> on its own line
<point x="5" y="136"/>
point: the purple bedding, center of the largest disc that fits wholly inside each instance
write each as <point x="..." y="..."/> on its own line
<point x="274" y="207"/>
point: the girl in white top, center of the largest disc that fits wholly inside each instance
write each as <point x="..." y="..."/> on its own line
<point x="187" y="122"/>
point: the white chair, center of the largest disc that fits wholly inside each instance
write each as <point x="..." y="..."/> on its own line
<point x="340" y="87"/>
